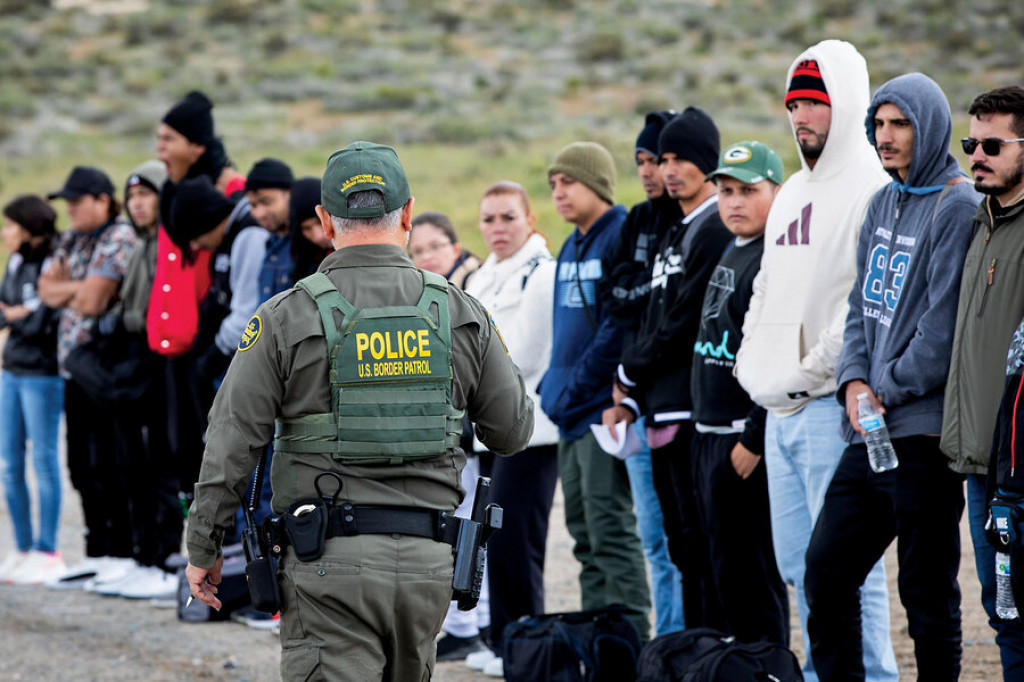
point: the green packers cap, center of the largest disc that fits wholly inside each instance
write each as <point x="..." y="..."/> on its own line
<point x="749" y="162"/>
<point x="362" y="166"/>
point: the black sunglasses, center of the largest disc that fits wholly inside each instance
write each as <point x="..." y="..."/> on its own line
<point x="991" y="146"/>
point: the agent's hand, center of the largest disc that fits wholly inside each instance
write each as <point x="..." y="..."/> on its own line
<point x="854" y="389"/>
<point x="743" y="460"/>
<point x="202" y="583"/>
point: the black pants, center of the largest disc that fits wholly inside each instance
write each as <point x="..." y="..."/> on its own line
<point x="687" y="546"/>
<point x="920" y="503"/>
<point x="189" y="399"/>
<point x="748" y="598"/>
<point x="143" y="444"/>
<point x="97" y="475"/>
<point x="524" y="486"/>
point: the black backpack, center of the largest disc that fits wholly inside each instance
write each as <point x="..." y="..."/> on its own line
<point x="707" y="655"/>
<point x="601" y="645"/>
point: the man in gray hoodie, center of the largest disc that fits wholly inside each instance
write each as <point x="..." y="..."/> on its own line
<point x="896" y="349"/>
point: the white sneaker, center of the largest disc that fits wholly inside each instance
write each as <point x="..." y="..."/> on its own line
<point x="10" y="564"/>
<point x="149" y="582"/>
<point x="76" y="576"/>
<point x="38" y="568"/>
<point x="478" y="660"/>
<point x="495" y="668"/>
<point x="110" y="576"/>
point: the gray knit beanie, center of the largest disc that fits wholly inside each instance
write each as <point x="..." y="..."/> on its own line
<point x="591" y="164"/>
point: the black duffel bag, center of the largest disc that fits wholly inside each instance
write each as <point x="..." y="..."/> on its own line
<point x="600" y="645"/>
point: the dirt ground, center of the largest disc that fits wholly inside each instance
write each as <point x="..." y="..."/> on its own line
<point x="49" y="635"/>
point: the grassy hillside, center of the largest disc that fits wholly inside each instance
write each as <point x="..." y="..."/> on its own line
<point x="469" y="92"/>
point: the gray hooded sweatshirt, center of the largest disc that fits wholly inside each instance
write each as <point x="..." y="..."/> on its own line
<point x="899" y="330"/>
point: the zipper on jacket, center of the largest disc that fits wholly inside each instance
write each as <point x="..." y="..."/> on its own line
<point x="988" y="285"/>
<point x="1013" y="429"/>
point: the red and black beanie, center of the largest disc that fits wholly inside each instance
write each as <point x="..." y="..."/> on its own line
<point x="807" y="83"/>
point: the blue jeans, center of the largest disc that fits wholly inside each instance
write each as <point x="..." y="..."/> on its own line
<point x="30" y="409"/>
<point x="667" y="582"/>
<point x="801" y="454"/>
<point x="1009" y="634"/>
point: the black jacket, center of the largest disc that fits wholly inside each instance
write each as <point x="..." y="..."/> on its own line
<point x="626" y="286"/>
<point x="31" y="348"/>
<point x="660" y="358"/>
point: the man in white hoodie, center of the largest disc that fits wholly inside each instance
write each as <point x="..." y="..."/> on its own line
<point x="793" y="330"/>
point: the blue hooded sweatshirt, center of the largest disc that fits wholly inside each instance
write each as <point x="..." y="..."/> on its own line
<point x="586" y="340"/>
<point x="899" y="332"/>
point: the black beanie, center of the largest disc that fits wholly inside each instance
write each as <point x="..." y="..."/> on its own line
<point x="269" y="174"/>
<point x="198" y="208"/>
<point x="654" y="123"/>
<point x="192" y="118"/>
<point x="692" y="136"/>
<point x="303" y="201"/>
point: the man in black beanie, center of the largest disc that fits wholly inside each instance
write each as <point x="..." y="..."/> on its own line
<point x="624" y="290"/>
<point x="654" y="377"/>
<point x="185" y="133"/>
<point x="203" y="219"/>
<point x="268" y="189"/>
<point x="188" y="148"/>
<point x="626" y="287"/>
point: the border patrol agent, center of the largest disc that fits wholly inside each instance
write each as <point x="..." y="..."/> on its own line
<point x="376" y="400"/>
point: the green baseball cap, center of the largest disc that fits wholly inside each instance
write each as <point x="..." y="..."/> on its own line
<point x="362" y="166"/>
<point x="749" y="162"/>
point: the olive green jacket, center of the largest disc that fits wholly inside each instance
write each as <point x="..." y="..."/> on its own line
<point x="283" y="372"/>
<point x="990" y="308"/>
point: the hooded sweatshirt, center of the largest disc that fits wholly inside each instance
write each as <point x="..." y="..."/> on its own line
<point x="793" y="332"/>
<point x="899" y="331"/>
<point x="586" y="341"/>
<point x="518" y="292"/>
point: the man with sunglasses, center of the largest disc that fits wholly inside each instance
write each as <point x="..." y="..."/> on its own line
<point x="896" y="347"/>
<point x="991" y="305"/>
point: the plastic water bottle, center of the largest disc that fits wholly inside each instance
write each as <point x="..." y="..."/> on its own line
<point x="1006" y="607"/>
<point x="881" y="454"/>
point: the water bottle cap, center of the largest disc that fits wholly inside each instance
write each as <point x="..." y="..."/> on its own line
<point x="862" y="396"/>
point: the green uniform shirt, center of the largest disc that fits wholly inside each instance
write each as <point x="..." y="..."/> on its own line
<point x="283" y="371"/>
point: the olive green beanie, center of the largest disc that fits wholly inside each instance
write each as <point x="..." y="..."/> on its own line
<point x="591" y="164"/>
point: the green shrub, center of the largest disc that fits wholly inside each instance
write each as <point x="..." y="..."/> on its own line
<point x="604" y="46"/>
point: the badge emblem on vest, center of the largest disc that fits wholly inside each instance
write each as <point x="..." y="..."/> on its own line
<point x="251" y="333"/>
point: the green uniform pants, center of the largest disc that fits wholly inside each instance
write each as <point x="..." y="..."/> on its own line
<point x="368" y="609"/>
<point x="599" y="516"/>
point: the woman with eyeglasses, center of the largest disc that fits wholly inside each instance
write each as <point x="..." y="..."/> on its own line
<point x="435" y="247"/>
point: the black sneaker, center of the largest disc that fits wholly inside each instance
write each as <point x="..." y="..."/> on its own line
<point x="452" y="648"/>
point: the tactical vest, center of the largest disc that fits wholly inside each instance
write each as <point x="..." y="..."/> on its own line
<point x="391" y="380"/>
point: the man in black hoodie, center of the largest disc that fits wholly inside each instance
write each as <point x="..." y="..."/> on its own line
<point x="624" y="292"/>
<point x="654" y="376"/>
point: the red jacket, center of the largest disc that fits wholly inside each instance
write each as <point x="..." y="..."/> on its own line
<point x="172" y="318"/>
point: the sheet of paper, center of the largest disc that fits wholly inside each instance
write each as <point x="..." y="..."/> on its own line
<point x="627" y="445"/>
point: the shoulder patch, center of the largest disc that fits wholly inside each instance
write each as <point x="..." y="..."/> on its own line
<point x="498" y="332"/>
<point x="251" y="333"/>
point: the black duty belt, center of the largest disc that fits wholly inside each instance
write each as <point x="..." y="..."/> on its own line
<point x="347" y="519"/>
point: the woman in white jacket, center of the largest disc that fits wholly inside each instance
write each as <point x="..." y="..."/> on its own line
<point x="516" y="284"/>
